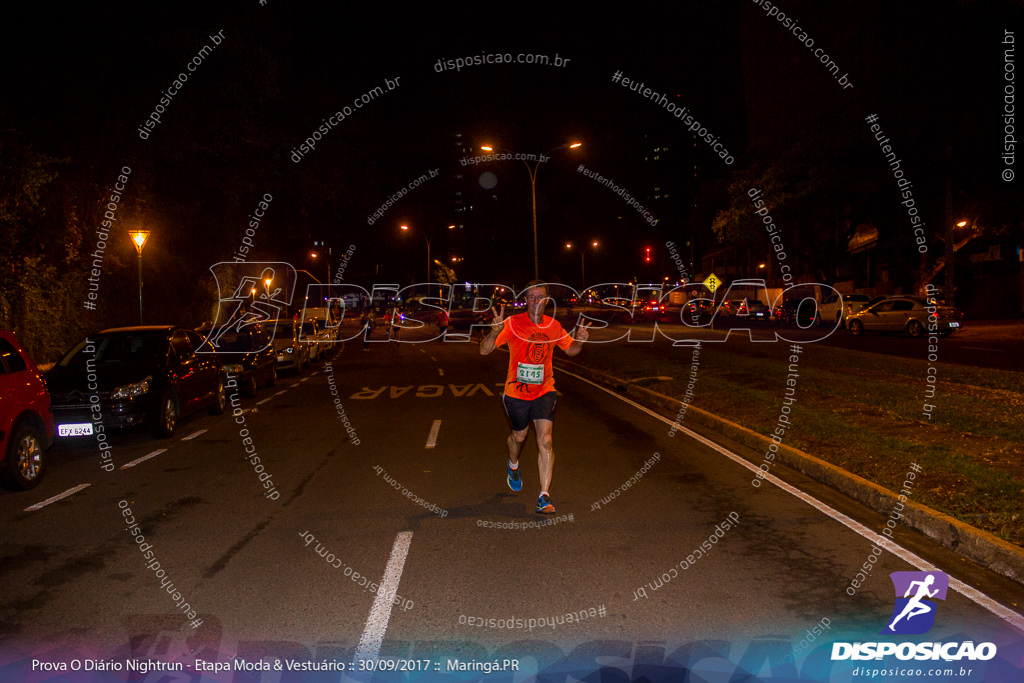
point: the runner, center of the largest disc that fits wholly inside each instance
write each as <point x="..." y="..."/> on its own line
<point x="530" y="385"/>
<point x="442" y="323"/>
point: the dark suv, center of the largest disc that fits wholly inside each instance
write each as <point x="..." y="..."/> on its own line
<point x="26" y="423"/>
<point x="138" y="375"/>
<point x="247" y="355"/>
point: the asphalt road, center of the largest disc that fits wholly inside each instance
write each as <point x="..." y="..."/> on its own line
<point x="402" y="484"/>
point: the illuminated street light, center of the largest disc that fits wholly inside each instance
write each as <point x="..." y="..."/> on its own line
<point x="583" y="253"/>
<point x="533" y="192"/>
<point x="139" y="238"/>
<point x="427" y="240"/>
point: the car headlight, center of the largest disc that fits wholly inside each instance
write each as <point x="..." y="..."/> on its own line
<point x="290" y="349"/>
<point x="132" y="390"/>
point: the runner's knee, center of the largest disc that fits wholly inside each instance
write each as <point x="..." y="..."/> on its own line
<point x="544" y="441"/>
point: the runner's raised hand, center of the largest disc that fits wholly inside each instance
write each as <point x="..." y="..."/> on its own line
<point x="499" y="319"/>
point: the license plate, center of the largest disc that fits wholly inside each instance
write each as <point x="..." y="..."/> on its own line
<point x="282" y="357"/>
<point x="954" y="324"/>
<point x="82" y="429"/>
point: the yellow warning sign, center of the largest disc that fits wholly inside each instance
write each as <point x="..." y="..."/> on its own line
<point x="712" y="282"/>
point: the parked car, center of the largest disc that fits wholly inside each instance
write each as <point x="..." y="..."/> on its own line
<point x="148" y="375"/>
<point x="26" y="423"/>
<point x="247" y="355"/>
<point x="292" y="352"/>
<point x="801" y="311"/>
<point x="313" y="333"/>
<point x="908" y="314"/>
<point x="838" y="307"/>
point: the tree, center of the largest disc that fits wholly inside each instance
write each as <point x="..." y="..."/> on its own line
<point x="40" y="229"/>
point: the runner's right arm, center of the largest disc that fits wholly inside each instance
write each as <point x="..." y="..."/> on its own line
<point x="489" y="342"/>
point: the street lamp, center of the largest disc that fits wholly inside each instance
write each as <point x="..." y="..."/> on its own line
<point x="583" y="253"/>
<point x="327" y="262"/>
<point x="139" y="238"/>
<point x="533" y="192"/>
<point x="429" y="261"/>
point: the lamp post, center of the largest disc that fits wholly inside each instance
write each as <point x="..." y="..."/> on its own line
<point x="583" y="253"/>
<point x="429" y="261"/>
<point x="139" y="238"/>
<point x="327" y="262"/>
<point x="533" y="192"/>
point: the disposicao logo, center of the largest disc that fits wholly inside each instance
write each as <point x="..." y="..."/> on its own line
<point x="916" y="592"/>
<point x="913" y="614"/>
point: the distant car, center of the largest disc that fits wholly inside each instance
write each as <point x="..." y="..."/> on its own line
<point x="292" y="352"/>
<point x="247" y="355"/>
<point x="650" y="311"/>
<point x="753" y="310"/>
<point x="140" y="375"/>
<point x="698" y="307"/>
<point x="26" y="423"/>
<point x="837" y="307"/>
<point x="907" y="314"/>
<point x="797" y="310"/>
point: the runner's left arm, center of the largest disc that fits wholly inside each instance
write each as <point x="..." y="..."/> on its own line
<point x="581" y="337"/>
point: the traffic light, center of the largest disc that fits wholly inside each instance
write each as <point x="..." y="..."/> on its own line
<point x="647" y="255"/>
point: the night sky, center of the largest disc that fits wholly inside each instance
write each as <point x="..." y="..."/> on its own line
<point x="80" y="81"/>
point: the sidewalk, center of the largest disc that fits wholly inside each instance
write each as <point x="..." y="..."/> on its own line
<point x="992" y="329"/>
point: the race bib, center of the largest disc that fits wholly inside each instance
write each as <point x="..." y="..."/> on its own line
<point x="530" y="373"/>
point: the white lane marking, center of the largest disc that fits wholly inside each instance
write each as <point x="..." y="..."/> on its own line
<point x="69" y="492"/>
<point x="135" y="462"/>
<point x="440" y="372"/>
<point x="433" y="359"/>
<point x="303" y="380"/>
<point x="279" y="393"/>
<point x="974" y="595"/>
<point x="193" y="435"/>
<point x="432" y="437"/>
<point x="259" y="403"/>
<point x="982" y="348"/>
<point x="380" y="613"/>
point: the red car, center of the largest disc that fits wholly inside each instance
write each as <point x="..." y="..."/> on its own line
<point x="26" y="423"/>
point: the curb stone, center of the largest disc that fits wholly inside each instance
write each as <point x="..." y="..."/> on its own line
<point x="982" y="547"/>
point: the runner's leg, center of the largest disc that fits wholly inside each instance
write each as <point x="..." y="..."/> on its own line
<point x="545" y="454"/>
<point x="515" y="444"/>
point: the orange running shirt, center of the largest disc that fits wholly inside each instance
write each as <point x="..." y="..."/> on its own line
<point x="530" y="350"/>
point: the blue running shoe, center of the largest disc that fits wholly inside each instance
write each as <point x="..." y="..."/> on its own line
<point x="544" y="505"/>
<point x="513" y="479"/>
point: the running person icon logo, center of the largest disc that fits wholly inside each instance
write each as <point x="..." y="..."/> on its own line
<point x="914" y="612"/>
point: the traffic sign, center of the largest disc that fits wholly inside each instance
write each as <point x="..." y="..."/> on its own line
<point x="712" y="282"/>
